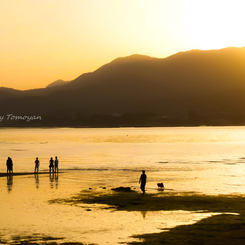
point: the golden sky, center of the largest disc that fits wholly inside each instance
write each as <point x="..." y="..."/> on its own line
<point x="46" y="40"/>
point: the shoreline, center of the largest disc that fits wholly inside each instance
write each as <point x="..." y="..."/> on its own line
<point x="122" y="126"/>
<point x="25" y="173"/>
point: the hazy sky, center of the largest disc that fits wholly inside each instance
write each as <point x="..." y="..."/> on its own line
<point x="46" y="40"/>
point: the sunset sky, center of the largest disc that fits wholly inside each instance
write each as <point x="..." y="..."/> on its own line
<point x="46" y="40"/>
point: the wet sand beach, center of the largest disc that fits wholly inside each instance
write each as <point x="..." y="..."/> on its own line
<point x="62" y="211"/>
<point x="224" y="222"/>
<point x="203" y="198"/>
<point x="31" y="211"/>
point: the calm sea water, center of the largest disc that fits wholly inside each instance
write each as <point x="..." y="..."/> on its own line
<point x="207" y="160"/>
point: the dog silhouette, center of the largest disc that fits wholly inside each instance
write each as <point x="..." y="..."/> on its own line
<point x="160" y="185"/>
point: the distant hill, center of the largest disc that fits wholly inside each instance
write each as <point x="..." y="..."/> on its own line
<point x="8" y="93"/>
<point x="189" y="88"/>
<point x="56" y="83"/>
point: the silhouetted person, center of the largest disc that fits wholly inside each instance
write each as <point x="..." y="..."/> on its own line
<point x="142" y="181"/>
<point x="9" y="164"/>
<point x="56" y="162"/>
<point x="51" y="164"/>
<point x="37" y="164"/>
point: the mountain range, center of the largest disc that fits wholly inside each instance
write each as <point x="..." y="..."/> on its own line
<point x="196" y="87"/>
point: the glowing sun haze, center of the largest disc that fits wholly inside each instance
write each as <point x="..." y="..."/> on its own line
<point x="46" y="40"/>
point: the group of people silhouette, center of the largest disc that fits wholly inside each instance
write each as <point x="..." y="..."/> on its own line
<point x="53" y="165"/>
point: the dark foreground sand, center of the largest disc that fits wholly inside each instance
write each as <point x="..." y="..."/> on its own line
<point x="225" y="228"/>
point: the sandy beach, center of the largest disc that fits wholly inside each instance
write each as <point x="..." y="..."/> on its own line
<point x="64" y="213"/>
<point x="203" y="196"/>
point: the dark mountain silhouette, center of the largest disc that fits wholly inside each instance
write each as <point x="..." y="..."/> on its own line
<point x="9" y="93"/>
<point x="188" y="88"/>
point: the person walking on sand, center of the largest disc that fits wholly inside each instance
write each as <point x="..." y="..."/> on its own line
<point x="37" y="164"/>
<point x="56" y="162"/>
<point x="51" y="164"/>
<point x="142" y="181"/>
<point x="9" y="164"/>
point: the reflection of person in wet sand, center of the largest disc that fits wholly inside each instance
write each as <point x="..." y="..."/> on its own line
<point x="142" y="181"/>
<point x="51" y="178"/>
<point x="9" y="164"/>
<point x="9" y="183"/>
<point x="51" y="164"/>
<point x="37" y="163"/>
<point x="143" y="214"/>
<point x="37" y="180"/>
<point x="56" y="162"/>
<point x="56" y="180"/>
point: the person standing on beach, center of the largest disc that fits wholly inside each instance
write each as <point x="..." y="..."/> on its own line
<point x="51" y="164"/>
<point x="142" y="181"/>
<point x="37" y="163"/>
<point x="56" y="162"/>
<point x="9" y="164"/>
